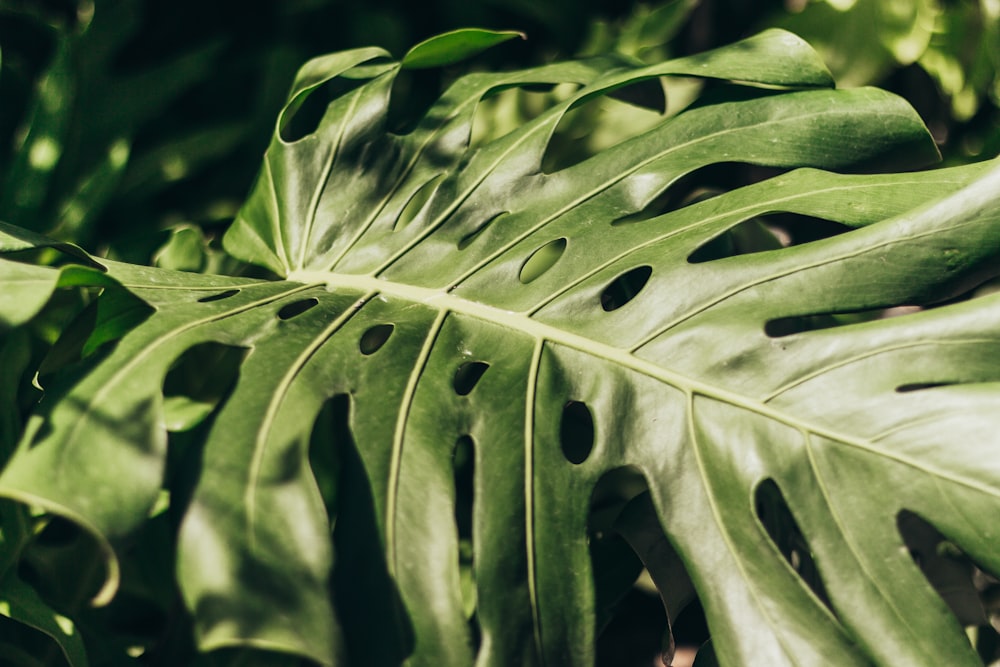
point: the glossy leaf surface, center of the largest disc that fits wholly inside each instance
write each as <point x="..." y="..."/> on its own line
<point x="414" y="333"/>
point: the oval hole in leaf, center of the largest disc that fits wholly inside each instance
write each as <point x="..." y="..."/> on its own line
<point x="576" y="432"/>
<point x="777" y="519"/>
<point x="467" y="240"/>
<point x="417" y="202"/>
<point x="290" y="310"/>
<point x="303" y="116"/>
<point x="542" y="260"/>
<point x="374" y="338"/>
<point x="625" y="287"/>
<point x="220" y="296"/>
<point x="467" y="376"/>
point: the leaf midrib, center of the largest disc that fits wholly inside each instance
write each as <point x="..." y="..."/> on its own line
<point x="436" y="298"/>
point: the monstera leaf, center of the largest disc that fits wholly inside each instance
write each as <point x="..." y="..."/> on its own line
<point x="458" y="346"/>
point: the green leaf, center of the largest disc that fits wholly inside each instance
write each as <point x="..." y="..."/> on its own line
<point x="27" y="288"/>
<point x="14" y="239"/>
<point x="20" y="602"/>
<point x="457" y="45"/>
<point x="558" y="326"/>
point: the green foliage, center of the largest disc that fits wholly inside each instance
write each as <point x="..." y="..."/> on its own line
<point x="484" y="385"/>
<point x="955" y="45"/>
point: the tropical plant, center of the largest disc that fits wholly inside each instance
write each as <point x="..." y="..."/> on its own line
<point x="425" y="436"/>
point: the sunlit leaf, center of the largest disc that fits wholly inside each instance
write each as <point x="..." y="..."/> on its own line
<point x="444" y="310"/>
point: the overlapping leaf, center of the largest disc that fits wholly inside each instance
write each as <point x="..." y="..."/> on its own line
<point x="410" y="306"/>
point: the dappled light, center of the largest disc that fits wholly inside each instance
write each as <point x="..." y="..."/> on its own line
<point x="611" y="342"/>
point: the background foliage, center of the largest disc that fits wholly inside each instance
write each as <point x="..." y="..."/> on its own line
<point x="136" y="131"/>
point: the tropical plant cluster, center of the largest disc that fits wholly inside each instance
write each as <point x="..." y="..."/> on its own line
<point x="584" y="361"/>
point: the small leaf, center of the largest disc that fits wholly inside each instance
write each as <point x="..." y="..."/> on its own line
<point x="21" y="602"/>
<point x="457" y="45"/>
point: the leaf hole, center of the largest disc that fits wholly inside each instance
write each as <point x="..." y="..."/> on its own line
<point x="748" y="237"/>
<point x="414" y="92"/>
<point x="219" y="296"/>
<point x="417" y="202"/>
<point x="576" y="432"/>
<point x="691" y="188"/>
<point x="625" y="287"/>
<point x="951" y="573"/>
<point x="464" y="477"/>
<point x="666" y="201"/>
<point x="464" y="469"/>
<point x="304" y="114"/>
<point x="615" y="567"/>
<point x="501" y="111"/>
<point x="920" y="386"/>
<point x="467" y="376"/>
<point x="198" y="381"/>
<point x="296" y="308"/>
<point x="330" y="433"/>
<point x="378" y="631"/>
<point x="763" y="233"/>
<point x="468" y="239"/>
<point x="374" y="338"/>
<point x="776" y="518"/>
<point x="786" y="326"/>
<point x="50" y="561"/>
<point x="622" y="505"/>
<point x="600" y="122"/>
<point x="543" y="259"/>
<point x="59" y="533"/>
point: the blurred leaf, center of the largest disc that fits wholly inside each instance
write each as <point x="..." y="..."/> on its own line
<point x="861" y="41"/>
<point x="28" y="179"/>
<point x="21" y="603"/>
<point x="185" y="250"/>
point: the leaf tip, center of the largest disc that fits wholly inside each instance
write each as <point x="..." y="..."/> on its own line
<point x="454" y="46"/>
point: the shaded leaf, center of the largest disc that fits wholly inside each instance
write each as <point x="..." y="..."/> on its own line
<point x="21" y="603"/>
